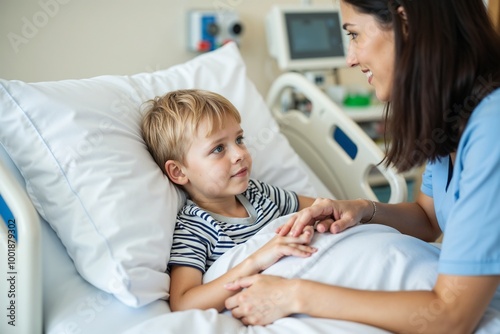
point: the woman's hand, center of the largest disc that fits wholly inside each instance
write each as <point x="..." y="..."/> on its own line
<point x="281" y="246"/>
<point x="265" y="299"/>
<point x="328" y="215"/>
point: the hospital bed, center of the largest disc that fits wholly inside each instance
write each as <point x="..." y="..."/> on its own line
<point x="94" y="215"/>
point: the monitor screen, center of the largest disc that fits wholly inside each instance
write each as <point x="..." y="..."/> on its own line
<point x="306" y="38"/>
<point x="314" y="35"/>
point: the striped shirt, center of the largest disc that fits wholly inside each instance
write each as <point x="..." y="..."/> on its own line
<point x="201" y="237"/>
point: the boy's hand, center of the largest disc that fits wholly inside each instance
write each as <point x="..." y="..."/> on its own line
<point x="281" y="246"/>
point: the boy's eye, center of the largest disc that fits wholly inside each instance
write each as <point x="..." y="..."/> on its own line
<point x="239" y="140"/>
<point x="218" y="149"/>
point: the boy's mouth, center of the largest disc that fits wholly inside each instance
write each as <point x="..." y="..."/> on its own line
<point x="241" y="172"/>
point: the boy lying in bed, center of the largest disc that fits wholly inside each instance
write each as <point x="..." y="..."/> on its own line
<point x="196" y="138"/>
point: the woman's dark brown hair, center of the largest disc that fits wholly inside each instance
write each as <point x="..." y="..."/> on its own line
<point x="447" y="59"/>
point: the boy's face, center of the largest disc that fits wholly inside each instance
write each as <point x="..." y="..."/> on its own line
<point x="218" y="165"/>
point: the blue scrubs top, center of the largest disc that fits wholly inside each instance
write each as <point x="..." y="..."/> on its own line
<point x="468" y="208"/>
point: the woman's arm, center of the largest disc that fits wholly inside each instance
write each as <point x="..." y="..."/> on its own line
<point x="454" y="306"/>
<point x="417" y="219"/>
<point x="188" y="292"/>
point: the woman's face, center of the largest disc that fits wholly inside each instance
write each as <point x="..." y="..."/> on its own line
<point x="371" y="48"/>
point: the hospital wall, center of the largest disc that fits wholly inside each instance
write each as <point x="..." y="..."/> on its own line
<point x="58" y="39"/>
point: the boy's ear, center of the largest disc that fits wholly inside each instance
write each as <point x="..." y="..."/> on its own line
<point x="175" y="173"/>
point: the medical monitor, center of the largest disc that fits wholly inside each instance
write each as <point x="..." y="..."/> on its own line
<point x="306" y="37"/>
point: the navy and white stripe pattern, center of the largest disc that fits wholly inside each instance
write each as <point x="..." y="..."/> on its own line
<point x="199" y="239"/>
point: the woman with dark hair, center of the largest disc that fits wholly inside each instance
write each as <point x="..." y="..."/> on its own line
<point x="437" y="64"/>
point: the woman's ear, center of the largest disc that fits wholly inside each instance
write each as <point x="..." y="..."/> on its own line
<point x="175" y="173"/>
<point x="402" y="14"/>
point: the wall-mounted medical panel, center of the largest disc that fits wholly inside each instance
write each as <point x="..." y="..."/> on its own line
<point x="208" y="29"/>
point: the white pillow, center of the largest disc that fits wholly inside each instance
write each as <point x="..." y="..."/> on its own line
<point x="78" y="145"/>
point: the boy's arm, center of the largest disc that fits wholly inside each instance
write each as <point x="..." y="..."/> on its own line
<point x="188" y="292"/>
<point x="305" y="202"/>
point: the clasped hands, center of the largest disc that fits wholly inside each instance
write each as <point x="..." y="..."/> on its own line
<point x="267" y="298"/>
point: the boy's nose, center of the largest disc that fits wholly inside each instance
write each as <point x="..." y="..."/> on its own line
<point x="238" y="154"/>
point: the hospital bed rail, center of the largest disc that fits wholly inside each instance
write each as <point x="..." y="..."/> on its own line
<point x="24" y="262"/>
<point x="338" y="151"/>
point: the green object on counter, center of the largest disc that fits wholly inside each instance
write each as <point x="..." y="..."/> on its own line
<point x="357" y="100"/>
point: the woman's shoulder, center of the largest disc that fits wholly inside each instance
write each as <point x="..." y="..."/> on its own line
<point x="486" y="116"/>
<point x="481" y="131"/>
<point x="489" y="106"/>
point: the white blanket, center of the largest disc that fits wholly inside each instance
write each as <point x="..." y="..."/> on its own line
<point x="365" y="257"/>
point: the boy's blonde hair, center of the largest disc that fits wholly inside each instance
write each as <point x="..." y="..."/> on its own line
<point x="170" y="121"/>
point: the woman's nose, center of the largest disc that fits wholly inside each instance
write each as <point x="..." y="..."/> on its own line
<point x="351" y="59"/>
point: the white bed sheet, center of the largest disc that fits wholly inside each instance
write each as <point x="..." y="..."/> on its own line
<point x="211" y="322"/>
